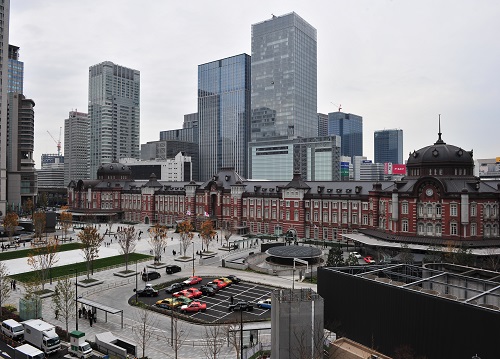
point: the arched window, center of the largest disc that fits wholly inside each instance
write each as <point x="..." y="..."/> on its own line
<point x="494" y="230"/>
<point x="487" y="231"/>
<point x="487" y="210"/>
<point x="438" y="230"/>
<point x="473" y="229"/>
<point x="421" y="229"/>
<point x="429" y="210"/>
<point x="438" y="210"/>
<point x="453" y="228"/>
<point x="430" y="228"/>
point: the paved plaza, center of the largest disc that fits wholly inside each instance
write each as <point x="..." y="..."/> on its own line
<point x="115" y="292"/>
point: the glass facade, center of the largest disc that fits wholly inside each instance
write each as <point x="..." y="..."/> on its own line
<point x="16" y="71"/>
<point x="350" y="128"/>
<point x="114" y="112"/>
<point x="224" y="115"/>
<point x="388" y="146"/>
<point x="284" y="78"/>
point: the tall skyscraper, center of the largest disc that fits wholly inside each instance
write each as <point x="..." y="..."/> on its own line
<point x="350" y="128"/>
<point x="114" y="112"/>
<point x="388" y="146"/>
<point x="76" y="147"/>
<point x="322" y="124"/>
<point x="284" y="78"/>
<point x="4" y="45"/>
<point x="16" y="70"/>
<point x="224" y="115"/>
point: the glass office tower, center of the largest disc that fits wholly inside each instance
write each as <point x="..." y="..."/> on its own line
<point x="114" y="96"/>
<point x="388" y="146"/>
<point x="284" y="78"/>
<point x="350" y="128"/>
<point x="16" y="71"/>
<point x="224" y="115"/>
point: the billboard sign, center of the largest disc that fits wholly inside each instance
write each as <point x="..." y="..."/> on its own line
<point x="398" y="169"/>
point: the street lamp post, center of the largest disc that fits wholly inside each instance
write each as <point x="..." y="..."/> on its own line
<point x="136" y="274"/>
<point x="241" y="333"/>
<point x="76" y="294"/>
<point x="193" y="259"/>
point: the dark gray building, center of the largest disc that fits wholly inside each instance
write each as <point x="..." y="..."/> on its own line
<point x="388" y="146"/>
<point x="224" y="115"/>
<point x="284" y="78"/>
<point x="76" y="147"/>
<point x="350" y="129"/>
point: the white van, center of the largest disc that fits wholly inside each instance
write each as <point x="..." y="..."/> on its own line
<point x="13" y="329"/>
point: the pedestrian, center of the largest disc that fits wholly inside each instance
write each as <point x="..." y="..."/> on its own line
<point x="90" y="319"/>
<point x="144" y="270"/>
<point x="172" y="238"/>
<point x="232" y="299"/>
<point x="11" y="284"/>
<point x="14" y="284"/>
<point x="24" y="244"/>
<point x="164" y="249"/>
<point x="79" y="312"/>
<point x="251" y="339"/>
<point x="57" y="314"/>
<point x="84" y="313"/>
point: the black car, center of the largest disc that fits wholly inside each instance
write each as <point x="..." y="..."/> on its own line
<point x="233" y="278"/>
<point x="148" y="291"/>
<point x="243" y="306"/>
<point x="170" y="269"/>
<point x="208" y="290"/>
<point x="175" y="287"/>
<point x="150" y="276"/>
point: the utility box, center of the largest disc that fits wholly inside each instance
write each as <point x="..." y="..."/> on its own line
<point x="78" y="345"/>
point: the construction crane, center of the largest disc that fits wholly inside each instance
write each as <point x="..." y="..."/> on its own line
<point x="339" y="106"/>
<point x="58" y="143"/>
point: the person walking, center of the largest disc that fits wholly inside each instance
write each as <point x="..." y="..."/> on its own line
<point x="79" y="312"/>
<point x="232" y="299"/>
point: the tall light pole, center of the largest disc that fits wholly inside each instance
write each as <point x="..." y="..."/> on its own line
<point x="136" y="274"/>
<point x="241" y="333"/>
<point x="193" y="258"/>
<point x="76" y="294"/>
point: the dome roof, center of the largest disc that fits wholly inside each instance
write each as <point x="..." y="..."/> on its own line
<point x="113" y="169"/>
<point x="441" y="159"/>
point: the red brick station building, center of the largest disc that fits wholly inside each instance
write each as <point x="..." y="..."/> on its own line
<point x="440" y="200"/>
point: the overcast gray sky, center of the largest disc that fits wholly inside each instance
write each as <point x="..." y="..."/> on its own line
<point x="396" y="63"/>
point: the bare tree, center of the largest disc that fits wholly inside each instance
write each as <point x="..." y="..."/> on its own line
<point x="5" y="288"/>
<point x="39" y="223"/>
<point x="226" y="231"/>
<point x="207" y="233"/>
<point x="214" y="341"/>
<point x="66" y="220"/>
<point x="407" y="256"/>
<point x="43" y="258"/>
<point x="233" y="335"/>
<point x="31" y="297"/>
<point x="178" y="334"/>
<point x="63" y="301"/>
<point x="158" y="240"/>
<point x="185" y="230"/>
<point x="493" y="259"/>
<point x="10" y="222"/>
<point x="143" y="331"/>
<point x="127" y="240"/>
<point x="91" y="242"/>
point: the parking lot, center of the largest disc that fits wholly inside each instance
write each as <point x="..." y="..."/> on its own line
<point x="217" y="305"/>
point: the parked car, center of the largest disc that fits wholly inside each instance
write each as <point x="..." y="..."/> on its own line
<point x="172" y="303"/>
<point x="148" y="291"/>
<point x="196" y="293"/>
<point x="266" y="303"/>
<point x="208" y="290"/>
<point x="369" y="259"/>
<point x="194" y="307"/>
<point x="193" y="280"/>
<point x="172" y="268"/>
<point x="241" y="306"/>
<point x="183" y="300"/>
<point x="356" y="254"/>
<point x="226" y="280"/>
<point x="217" y="284"/>
<point x="221" y="283"/>
<point x="234" y="278"/>
<point x="147" y="276"/>
<point x="174" y="287"/>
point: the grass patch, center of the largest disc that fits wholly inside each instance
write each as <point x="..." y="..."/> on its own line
<point x="22" y="253"/>
<point x="62" y="271"/>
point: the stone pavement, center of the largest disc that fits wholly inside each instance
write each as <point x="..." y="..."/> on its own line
<point x="115" y="292"/>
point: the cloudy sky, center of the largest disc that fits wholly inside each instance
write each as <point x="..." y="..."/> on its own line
<point x="399" y="64"/>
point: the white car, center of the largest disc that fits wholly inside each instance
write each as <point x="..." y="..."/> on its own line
<point x="356" y="254"/>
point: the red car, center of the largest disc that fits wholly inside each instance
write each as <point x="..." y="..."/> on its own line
<point x="194" y="307"/>
<point x="223" y="284"/>
<point x="192" y="280"/>
<point x="183" y="293"/>
<point x="369" y="260"/>
<point x="195" y="292"/>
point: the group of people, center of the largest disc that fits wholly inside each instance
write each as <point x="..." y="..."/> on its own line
<point x="91" y="315"/>
<point x="13" y="284"/>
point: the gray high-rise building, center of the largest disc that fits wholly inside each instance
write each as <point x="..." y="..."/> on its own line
<point x="16" y="70"/>
<point x="76" y="147"/>
<point x="322" y="124"/>
<point x="224" y="115"/>
<point x="350" y="129"/>
<point x="4" y="46"/>
<point x="388" y="146"/>
<point x="284" y="78"/>
<point x="114" y="113"/>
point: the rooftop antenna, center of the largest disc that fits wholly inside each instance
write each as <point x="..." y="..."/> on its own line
<point x="439" y="141"/>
